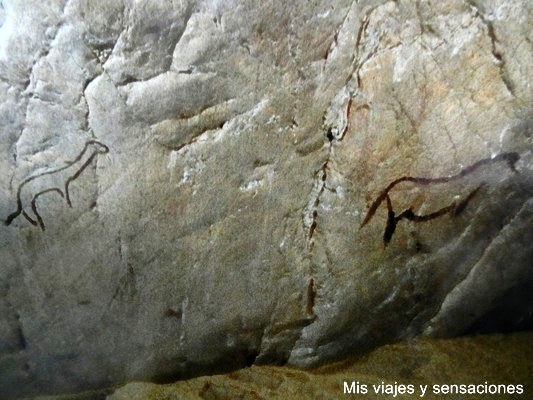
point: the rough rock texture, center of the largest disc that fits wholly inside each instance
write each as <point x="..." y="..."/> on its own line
<point x="219" y="158"/>
<point x="492" y="359"/>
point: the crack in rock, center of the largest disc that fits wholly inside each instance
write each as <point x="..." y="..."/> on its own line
<point x="495" y="44"/>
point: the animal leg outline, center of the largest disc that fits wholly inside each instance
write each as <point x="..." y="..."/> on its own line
<point x="99" y="148"/>
<point x="510" y="158"/>
<point x="30" y="219"/>
<point x="453" y="209"/>
<point x="78" y="173"/>
<point x="13" y="215"/>
<point x="34" y="205"/>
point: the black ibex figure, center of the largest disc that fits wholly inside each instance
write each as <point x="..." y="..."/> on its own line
<point x="47" y="182"/>
<point x="453" y="209"/>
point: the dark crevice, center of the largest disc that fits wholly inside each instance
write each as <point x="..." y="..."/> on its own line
<point x="250" y="358"/>
<point x="498" y="56"/>
<point x="510" y="312"/>
<point x="182" y="145"/>
<point x="348" y="114"/>
<point x="330" y="135"/>
<point x="334" y="42"/>
<point x="313" y="225"/>
<point x="321" y="181"/>
<point x="331" y="46"/>
<point x="126" y="286"/>
<point x="21" y="337"/>
<point x="212" y="125"/>
<point x="119" y="247"/>
<point x="311" y="295"/>
<point x="20" y="334"/>
<point x="172" y="313"/>
<point x="424" y="27"/>
<point x="85" y="85"/>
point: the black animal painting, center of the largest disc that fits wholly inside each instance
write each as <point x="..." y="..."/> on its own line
<point x="453" y="209"/>
<point x="53" y="181"/>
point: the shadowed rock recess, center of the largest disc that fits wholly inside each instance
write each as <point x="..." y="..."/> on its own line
<point x="184" y="183"/>
<point x="427" y="362"/>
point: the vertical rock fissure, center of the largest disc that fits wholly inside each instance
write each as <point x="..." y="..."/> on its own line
<point x="495" y="43"/>
<point x="336" y="124"/>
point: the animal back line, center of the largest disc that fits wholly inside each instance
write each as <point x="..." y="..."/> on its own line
<point x="69" y="164"/>
<point x="511" y="158"/>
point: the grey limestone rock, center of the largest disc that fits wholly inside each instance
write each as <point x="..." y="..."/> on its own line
<point x="184" y="182"/>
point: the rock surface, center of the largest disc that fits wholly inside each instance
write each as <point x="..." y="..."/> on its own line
<point x="219" y="158"/>
<point x="496" y="359"/>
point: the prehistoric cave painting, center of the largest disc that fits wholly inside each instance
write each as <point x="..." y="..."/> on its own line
<point x="31" y="188"/>
<point x="453" y="209"/>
